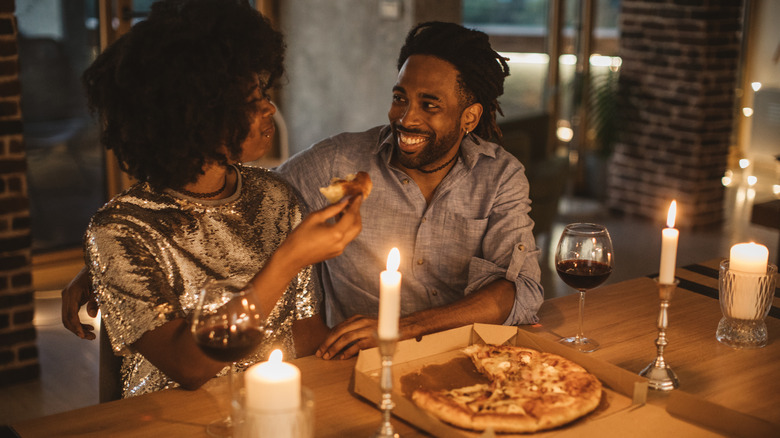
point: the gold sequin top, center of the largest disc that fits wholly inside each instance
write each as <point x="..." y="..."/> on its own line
<point x="149" y="252"/>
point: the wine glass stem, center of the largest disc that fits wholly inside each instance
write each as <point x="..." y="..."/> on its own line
<point x="229" y="418"/>
<point x="580" y="332"/>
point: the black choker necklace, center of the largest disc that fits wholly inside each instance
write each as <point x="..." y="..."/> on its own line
<point x="204" y="195"/>
<point x="454" y="157"/>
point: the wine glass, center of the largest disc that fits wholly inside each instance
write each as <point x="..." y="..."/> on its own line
<point x="583" y="260"/>
<point x="227" y="325"/>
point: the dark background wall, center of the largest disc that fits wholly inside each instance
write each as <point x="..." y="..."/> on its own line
<point x="18" y="351"/>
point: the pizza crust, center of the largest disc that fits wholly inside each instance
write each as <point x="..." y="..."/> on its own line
<point x="351" y="185"/>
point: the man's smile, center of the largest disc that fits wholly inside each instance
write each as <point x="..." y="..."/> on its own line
<point x="411" y="143"/>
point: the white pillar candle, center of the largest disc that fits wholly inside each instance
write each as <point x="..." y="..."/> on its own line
<point x="669" y="238"/>
<point x="749" y="257"/>
<point x="273" y="385"/>
<point x="747" y="262"/>
<point x="390" y="297"/>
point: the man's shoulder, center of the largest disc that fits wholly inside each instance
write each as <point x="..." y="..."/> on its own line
<point x="342" y="146"/>
<point x="362" y="139"/>
<point x="493" y="156"/>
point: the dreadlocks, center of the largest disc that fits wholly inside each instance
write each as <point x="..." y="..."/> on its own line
<point x="481" y="71"/>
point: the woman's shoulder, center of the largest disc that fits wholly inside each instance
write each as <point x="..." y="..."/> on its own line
<point x="139" y="202"/>
<point x="262" y="176"/>
<point x="259" y="179"/>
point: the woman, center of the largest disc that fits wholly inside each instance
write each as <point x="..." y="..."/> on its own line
<point x="182" y="102"/>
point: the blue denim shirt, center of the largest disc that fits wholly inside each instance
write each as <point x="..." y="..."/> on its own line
<point x="475" y="230"/>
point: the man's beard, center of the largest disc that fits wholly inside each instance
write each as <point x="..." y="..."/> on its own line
<point x="436" y="148"/>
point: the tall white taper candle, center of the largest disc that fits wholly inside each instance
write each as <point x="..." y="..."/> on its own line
<point x="390" y="297"/>
<point x="669" y="238"/>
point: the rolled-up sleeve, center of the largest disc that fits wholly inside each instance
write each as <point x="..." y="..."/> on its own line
<point x="509" y="250"/>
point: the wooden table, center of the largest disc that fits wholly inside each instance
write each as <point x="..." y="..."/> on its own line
<point x="622" y="317"/>
<point x="181" y="413"/>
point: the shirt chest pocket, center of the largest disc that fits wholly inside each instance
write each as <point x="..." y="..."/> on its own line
<point x="459" y="240"/>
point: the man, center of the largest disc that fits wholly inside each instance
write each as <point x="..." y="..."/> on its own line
<point x="454" y="204"/>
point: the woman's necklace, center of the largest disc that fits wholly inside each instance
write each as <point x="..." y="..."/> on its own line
<point x="204" y="195"/>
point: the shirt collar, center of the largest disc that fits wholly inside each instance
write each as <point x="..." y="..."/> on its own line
<point x="470" y="150"/>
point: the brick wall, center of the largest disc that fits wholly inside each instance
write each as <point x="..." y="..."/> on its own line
<point x="18" y="351"/>
<point x="677" y="82"/>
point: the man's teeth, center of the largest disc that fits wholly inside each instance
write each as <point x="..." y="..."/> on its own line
<point x="411" y="140"/>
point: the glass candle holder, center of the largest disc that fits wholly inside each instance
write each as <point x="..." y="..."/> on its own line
<point x="745" y="299"/>
<point x="294" y="423"/>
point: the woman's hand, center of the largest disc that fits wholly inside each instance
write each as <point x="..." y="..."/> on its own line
<point x="318" y="238"/>
<point x="315" y="239"/>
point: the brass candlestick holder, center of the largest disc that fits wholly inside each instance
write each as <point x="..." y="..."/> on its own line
<point x="386" y="350"/>
<point x="659" y="375"/>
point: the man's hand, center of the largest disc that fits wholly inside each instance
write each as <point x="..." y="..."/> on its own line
<point x="77" y="293"/>
<point x="348" y="338"/>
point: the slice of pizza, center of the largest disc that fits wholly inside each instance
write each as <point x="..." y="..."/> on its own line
<point x="501" y="363"/>
<point x="480" y="407"/>
<point x="351" y="185"/>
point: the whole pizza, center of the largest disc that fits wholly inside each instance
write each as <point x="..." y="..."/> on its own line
<point x="528" y="391"/>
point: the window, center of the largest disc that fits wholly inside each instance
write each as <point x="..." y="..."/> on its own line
<point x="519" y="30"/>
<point x="66" y="179"/>
<point x="535" y="93"/>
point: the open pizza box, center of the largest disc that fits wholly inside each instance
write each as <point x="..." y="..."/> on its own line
<point x="623" y="410"/>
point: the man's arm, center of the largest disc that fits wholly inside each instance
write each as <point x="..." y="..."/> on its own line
<point x="76" y="294"/>
<point x="490" y="305"/>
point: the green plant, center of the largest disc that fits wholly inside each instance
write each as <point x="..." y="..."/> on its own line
<point x="602" y="114"/>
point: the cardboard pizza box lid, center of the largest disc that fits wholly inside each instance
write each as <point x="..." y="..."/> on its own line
<point x="623" y="411"/>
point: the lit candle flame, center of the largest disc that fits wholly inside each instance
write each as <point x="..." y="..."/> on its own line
<point x="393" y="260"/>
<point x="276" y="356"/>
<point x="672" y="213"/>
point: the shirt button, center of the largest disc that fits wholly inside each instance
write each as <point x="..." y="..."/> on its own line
<point x="434" y="293"/>
<point x="406" y="180"/>
<point x="521" y="247"/>
<point x="424" y="219"/>
<point x="420" y="261"/>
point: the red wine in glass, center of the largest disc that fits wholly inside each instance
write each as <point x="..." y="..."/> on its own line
<point x="583" y="260"/>
<point x="219" y="344"/>
<point x="583" y="274"/>
<point x="227" y="325"/>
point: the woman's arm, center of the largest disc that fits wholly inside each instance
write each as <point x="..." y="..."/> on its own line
<point x="171" y="347"/>
<point x="315" y="239"/>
